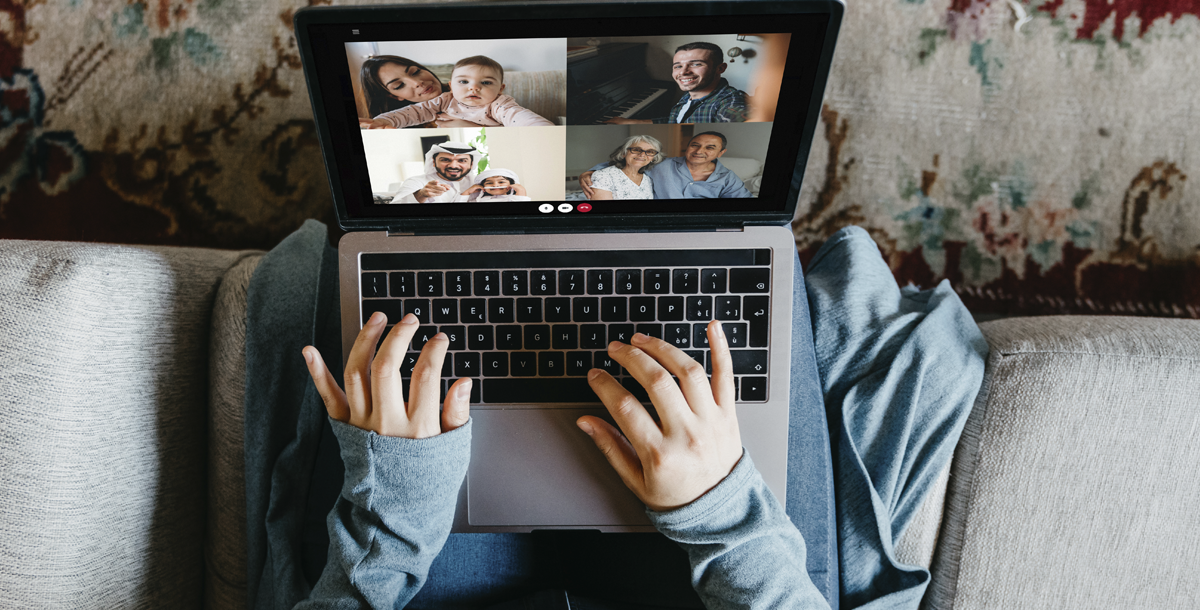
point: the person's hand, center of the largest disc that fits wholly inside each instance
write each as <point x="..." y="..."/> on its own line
<point x="519" y="190"/>
<point x="374" y="124"/>
<point x="585" y="182"/>
<point x="452" y="122"/>
<point x="432" y="189"/>
<point x="669" y="464"/>
<point x="474" y="189"/>
<point x="621" y="121"/>
<point x="373" y="399"/>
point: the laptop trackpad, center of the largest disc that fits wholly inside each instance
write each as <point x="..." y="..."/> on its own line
<point x="535" y="467"/>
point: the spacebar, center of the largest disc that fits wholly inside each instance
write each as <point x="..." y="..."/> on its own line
<point x="539" y="389"/>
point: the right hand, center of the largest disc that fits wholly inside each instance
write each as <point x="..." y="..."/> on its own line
<point x="433" y="188"/>
<point x="374" y="124"/>
<point x="585" y="182"/>
<point x="374" y="398"/>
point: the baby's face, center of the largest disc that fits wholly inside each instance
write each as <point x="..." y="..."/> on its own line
<point x="475" y="85"/>
<point x="496" y="185"/>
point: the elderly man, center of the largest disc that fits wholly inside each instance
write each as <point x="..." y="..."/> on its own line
<point x="696" y="175"/>
<point x="449" y="171"/>
<point x="707" y="98"/>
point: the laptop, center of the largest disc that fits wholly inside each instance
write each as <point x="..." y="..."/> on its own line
<point x="537" y="180"/>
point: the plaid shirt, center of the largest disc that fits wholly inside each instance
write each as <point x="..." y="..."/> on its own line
<point x="725" y="105"/>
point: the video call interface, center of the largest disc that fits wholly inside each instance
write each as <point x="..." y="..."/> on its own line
<point x="574" y="122"/>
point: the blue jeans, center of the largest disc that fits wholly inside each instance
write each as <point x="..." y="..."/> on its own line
<point x="477" y="570"/>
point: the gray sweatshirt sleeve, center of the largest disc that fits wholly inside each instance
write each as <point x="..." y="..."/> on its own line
<point x="392" y="518"/>
<point x="744" y="551"/>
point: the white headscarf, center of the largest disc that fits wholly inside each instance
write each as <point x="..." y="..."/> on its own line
<point x="454" y="148"/>
<point x="507" y="173"/>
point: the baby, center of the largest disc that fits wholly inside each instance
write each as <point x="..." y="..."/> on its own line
<point x="496" y="185"/>
<point x="476" y="86"/>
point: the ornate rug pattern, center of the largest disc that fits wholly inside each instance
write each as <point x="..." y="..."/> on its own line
<point x="1035" y="153"/>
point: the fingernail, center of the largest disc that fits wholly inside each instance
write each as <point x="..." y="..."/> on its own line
<point x="594" y="373"/>
<point x="376" y="318"/>
<point x="408" y="319"/>
<point x="640" y="338"/>
<point x="307" y="356"/>
<point x="464" y="390"/>
<point x="586" y="427"/>
<point x="720" y="329"/>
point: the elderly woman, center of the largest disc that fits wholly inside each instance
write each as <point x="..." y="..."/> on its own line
<point x="626" y="178"/>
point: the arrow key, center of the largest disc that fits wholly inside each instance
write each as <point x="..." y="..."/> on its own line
<point x="749" y="361"/>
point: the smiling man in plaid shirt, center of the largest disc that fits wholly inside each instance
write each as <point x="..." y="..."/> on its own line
<point x="707" y="98"/>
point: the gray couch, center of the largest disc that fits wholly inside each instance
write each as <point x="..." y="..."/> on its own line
<point x="121" y="374"/>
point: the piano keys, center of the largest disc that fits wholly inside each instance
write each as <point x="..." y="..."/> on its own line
<point x="614" y="82"/>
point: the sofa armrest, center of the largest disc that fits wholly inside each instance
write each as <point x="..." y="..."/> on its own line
<point x="1074" y="485"/>
<point x="103" y="394"/>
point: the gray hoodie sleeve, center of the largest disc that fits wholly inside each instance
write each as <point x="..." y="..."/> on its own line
<point x="392" y="518"/>
<point x="744" y="551"/>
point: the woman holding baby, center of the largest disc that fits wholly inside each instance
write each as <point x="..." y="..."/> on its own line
<point x="626" y="178"/>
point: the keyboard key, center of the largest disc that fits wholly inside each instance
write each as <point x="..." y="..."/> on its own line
<point x="458" y="283"/>
<point x="712" y="281"/>
<point x="565" y="336"/>
<point x="466" y="364"/>
<point x="558" y="310"/>
<point x="374" y="285"/>
<point x="600" y="281"/>
<point x="750" y="279"/>
<point x="487" y="283"/>
<point x="550" y="364"/>
<point x="500" y="311"/>
<point x="728" y="308"/>
<point x="592" y="336"/>
<point x="473" y="311"/>
<point x="524" y="364"/>
<point x="542" y="282"/>
<point x="424" y="334"/>
<point x="620" y="332"/>
<point x="670" y="309"/>
<point x="429" y="283"/>
<point x="641" y="309"/>
<point x="700" y="335"/>
<point x="699" y="308"/>
<point x="654" y="330"/>
<point x="657" y="281"/>
<point x="417" y="307"/>
<point x="529" y="310"/>
<point x="629" y="281"/>
<point x="407" y="365"/>
<point x="679" y="335"/>
<point x="448" y="366"/>
<point x="754" y="389"/>
<point x="586" y="309"/>
<point x="684" y="281"/>
<point x="391" y="308"/>
<point x="457" y="336"/>
<point x="749" y="361"/>
<point x="537" y="336"/>
<point x="445" y="311"/>
<point x="578" y="363"/>
<point x="695" y="354"/>
<point x="606" y="363"/>
<point x="495" y="364"/>
<point x="571" y="281"/>
<point x="508" y="337"/>
<point x="515" y="283"/>
<point x="402" y="284"/>
<point x="480" y="338"/>
<point x="612" y="309"/>
<point x="735" y="333"/>
<point x="566" y="389"/>
<point x="754" y="310"/>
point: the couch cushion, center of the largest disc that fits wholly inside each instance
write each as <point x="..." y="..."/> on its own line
<point x="103" y="367"/>
<point x="1074" y="485"/>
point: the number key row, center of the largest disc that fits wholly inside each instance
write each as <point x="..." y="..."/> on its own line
<point x="405" y="284"/>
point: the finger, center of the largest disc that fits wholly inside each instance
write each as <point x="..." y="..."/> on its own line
<point x="425" y="393"/>
<point x="387" y="387"/>
<point x="333" y="396"/>
<point x="722" y="365"/>
<point x="629" y="414"/>
<point x="368" y="123"/>
<point x="617" y="450"/>
<point x="693" y="381"/>
<point x="663" y="392"/>
<point x="357" y="377"/>
<point x="457" y="408"/>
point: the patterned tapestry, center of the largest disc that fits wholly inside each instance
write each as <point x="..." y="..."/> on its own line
<point x="1034" y="153"/>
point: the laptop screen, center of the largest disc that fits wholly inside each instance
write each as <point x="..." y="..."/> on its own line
<point x="679" y="115"/>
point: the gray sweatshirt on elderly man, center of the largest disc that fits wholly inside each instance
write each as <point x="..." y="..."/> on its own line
<point x="397" y="506"/>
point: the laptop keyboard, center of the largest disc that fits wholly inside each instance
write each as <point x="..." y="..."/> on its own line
<point x="528" y="326"/>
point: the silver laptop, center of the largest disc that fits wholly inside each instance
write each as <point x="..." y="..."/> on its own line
<point x="537" y="180"/>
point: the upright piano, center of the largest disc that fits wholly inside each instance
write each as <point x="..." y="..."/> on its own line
<point x="613" y="82"/>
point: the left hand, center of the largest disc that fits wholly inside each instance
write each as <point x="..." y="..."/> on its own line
<point x="519" y="190"/>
